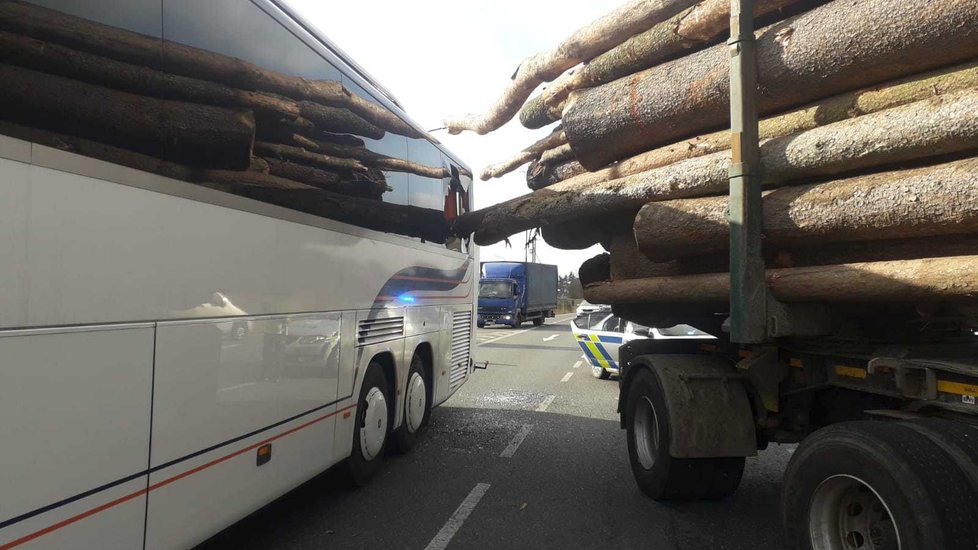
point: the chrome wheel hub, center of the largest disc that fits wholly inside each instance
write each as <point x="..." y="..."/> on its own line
<point x="417" y="401"/>
<point x="848" y="514"/>
<point x="373" y="429"/>
<point x="646" y="433"/>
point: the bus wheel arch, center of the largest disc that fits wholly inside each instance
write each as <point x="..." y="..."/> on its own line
<point x="418" y="397"/>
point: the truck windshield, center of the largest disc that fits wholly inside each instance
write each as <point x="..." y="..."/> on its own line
<point x="495" y="289"/>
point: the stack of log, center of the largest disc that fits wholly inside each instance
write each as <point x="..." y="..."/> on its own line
<point x="869" y="134"/>
<point x="204" y="117"/>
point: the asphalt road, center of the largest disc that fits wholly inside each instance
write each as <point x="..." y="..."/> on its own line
<point x="527" y="454"/>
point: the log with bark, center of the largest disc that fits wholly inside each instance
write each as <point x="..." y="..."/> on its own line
<point x="942" y="125"/>
<point x="56" y="59"/>
<point x="922" y="202"/>
<point x="533" y="152"/>
<point x="425" y="223"/>
<point x="596" y="229"/>
<point x="379" y="161"/>
<point x="543" y="174"/>
<point x="353" y="184"/>
<point x="339" y="121"/>
<point x="843" y="45"/>
<point x="820" y="113"/>
<point x="898" y="281"/>
<point x="97" y="150"/>
<point x="123" y="45"/>
<point x="188" y="133"/>
<point x="298" y="154"/>
<point x="603" y="34"/>
<point x="691" y="30"/>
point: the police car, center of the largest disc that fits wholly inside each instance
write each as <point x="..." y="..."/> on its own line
<point x="601" y="333"/>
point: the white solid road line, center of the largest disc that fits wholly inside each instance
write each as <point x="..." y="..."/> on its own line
<point x="578" y="364"/>
<point x="454" y="523"/>
<point x="567" y="376"/>
<point x="509" y="451"/>
<point x="551" y="337"/>
<point x="546" y="403"/>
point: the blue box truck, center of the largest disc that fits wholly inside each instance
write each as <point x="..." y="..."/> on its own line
<point x="513" y="292"/>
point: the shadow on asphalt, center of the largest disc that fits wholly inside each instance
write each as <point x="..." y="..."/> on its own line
<point x="568" y="486"/>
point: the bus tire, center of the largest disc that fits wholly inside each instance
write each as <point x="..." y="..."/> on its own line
<point x="657" y="473"/>
<point x="417" y="407"/>
<point x="371" y="427"/>
<point x="865" y="483"/>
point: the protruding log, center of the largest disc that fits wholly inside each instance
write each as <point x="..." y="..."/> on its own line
<point x="97" y="150"/>
<point x="900" y="281"/>
<point x="82" y="34"/>
<point x="627" y="262"/>
<point x="541" y="174"/>
<point x="298" y="154"/>
<point x="56" y="59"/>
<point x="341" y="139"/>
<point x="698" y="27"/>
<point x="555" y="139"/>
<point x="942" y="125"/>
<point x="188" y="133"/>
<point x="342" y="121"/>
<point x="425" y="223"/>
<point x="841" y="46"/>
<point x="382" y="162"/>
<point x="585" y="232"/>
<point x="930" y="201"/>
<point x="822" y="112"/>
<point x="605" y="33"/>
<point x="346" y="184"/>
<point x="595" y="270"/>
<point x="537" y="113"/>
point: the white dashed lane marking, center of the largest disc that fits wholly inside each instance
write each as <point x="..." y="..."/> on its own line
<point x="454" y="523"/>
<point x="542" y="407"/>
<point x="567" y="377"/>
<point x="509" y="451"/>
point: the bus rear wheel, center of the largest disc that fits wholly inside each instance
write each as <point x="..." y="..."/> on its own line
<point x="417" y="407"/>
<point x="876" y="484"/>
<point x="371" y="427"/>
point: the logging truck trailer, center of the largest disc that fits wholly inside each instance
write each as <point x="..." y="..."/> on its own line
<point x="872" y="374"/>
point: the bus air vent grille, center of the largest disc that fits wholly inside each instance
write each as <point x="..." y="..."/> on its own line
<point x="461" y="340"/>
<point x="374" y="331"/>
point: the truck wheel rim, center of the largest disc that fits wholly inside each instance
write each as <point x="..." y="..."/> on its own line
<point x="417" y="397"/>
<point x="373" y="429"/>
<point x="646" y="433"/>
<point x="847" y="513"/>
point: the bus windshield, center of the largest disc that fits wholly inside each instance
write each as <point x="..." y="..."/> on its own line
<point x="496" y="289"/>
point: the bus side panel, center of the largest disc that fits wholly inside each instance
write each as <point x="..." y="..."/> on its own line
<point x="75" y="410"/>
<point x="219" y="398"/>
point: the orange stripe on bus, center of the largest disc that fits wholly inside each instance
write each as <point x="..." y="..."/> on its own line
<point x="165" y="482"/>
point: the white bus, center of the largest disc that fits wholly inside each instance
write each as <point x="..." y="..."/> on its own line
<point x="226" y="265"/>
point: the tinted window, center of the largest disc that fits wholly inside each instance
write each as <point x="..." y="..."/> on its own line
<point x="220" y="94"/>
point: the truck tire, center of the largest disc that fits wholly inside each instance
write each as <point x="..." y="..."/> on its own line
<point x="657" y="473"/>
<point x="538" y="321"/>
<point x="958" y="440"/>
<point x="371" y="427"/>
<point x="417" y="407"/>
<point x="480" y="324"/>
<point x="875" y="484"/>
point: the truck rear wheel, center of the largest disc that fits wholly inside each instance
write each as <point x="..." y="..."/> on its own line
<point x="876" y="485"/>
<point x="657" y="473"/>
<point x="538" y="321"/>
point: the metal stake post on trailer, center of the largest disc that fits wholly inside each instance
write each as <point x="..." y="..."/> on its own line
<point x="748" y="291"/>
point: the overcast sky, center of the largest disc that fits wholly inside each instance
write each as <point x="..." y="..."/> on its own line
<point x="447" y="57"/>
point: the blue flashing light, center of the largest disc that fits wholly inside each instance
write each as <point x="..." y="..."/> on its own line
<point x="406" y="298"/>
